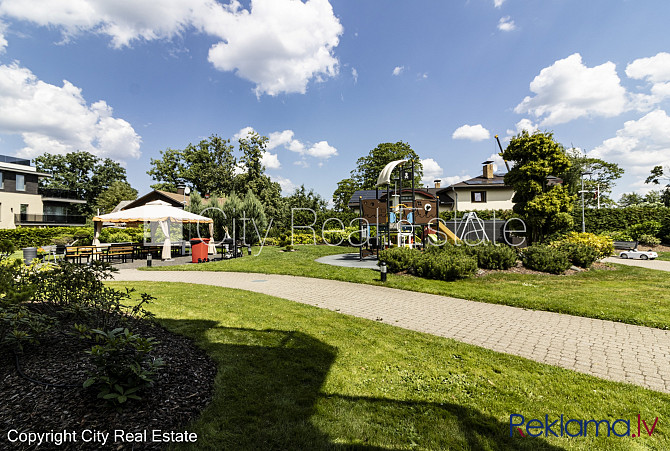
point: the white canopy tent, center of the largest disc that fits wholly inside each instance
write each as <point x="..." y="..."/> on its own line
<point x="157" y="213"/>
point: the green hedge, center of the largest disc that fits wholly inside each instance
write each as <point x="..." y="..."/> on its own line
<point x="34" y="237"/>
<point x="619" y="219"/>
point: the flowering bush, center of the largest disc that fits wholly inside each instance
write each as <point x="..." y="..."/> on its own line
<point x="602" y="244"/>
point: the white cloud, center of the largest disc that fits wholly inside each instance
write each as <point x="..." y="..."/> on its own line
<point x="244" y="134"/>
<point x="498" y="3"/>
<point x="639" y="145"/>
<point x="354" y="74"/>
<point x="431" y="171"/>
<point x="287" y="186"/>
<point x="398" y="70"/>
<point x="322" y="150"/>
<point x="471" y="132"/>
<point x="506" y="24"/>
<point x="656" y="71"/>
<point x="523" y="125"/>
<point x="280" y="45"/>
<point x="453" y="179"/>
<point x="568" y="90"/>
<point x="57" y="119"/>
<point x="3" y="39"/>
<point x="270" y="161"/>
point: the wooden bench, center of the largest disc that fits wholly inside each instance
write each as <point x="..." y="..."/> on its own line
<point x="77" y="253"/>
<point x="123" y="252"/>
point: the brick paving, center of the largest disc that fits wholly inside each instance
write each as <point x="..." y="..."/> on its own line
<point x="606" y="349"/>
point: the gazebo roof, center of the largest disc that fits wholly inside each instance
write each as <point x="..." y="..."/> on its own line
<point x="153" y="212"/>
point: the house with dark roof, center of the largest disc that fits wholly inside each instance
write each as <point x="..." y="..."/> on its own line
<point x="179" y="199"/>
<point x="485" y="192"/>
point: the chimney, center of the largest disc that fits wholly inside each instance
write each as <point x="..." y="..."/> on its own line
<point x="181" y="189"/>
<point x="438" y="183"/>
<point x="488" y="169"/>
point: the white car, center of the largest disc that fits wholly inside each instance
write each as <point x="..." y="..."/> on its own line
<point x="641" y="255"/>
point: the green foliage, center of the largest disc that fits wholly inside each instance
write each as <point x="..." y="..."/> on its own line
<point x="601" y="244"/>
<point x="89" y="176"/>
<point x="345" y="189"/>
<point x="648" y="228"/>
<point x="445" y="265"/>
<point x="545" y="259"/>
<point x="620" y="235"/>
<point x="22" y="237"/>
<point x="6" y="249"/>
<point x="649" y="240"/>
<point x="117" y="191"/>
<point x="603" y="177"/>
<point x="129" y="235"/>
<point x="123" y="365"/>
<point x="398" y="259"/>
<point x="545" y="208"/>
<point x="500" y="215"/>
<point x="580" y="254"/>
<point x="368" y="167"/>
<point x="490" y="256"/>
<point x="612" y="219"/>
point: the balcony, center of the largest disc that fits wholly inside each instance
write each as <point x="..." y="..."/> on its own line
<point x="26" y="219"/>
<point x="60" y="195"/>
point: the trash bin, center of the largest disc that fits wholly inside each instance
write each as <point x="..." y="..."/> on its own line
<point x="199" y="249"/>
<point x="29" y="254"/>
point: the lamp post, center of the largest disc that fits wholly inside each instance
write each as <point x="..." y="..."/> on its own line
<point x="582" y="192"/>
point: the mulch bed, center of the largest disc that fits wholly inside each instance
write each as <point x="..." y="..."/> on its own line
<point x="520" y="269"/>
<point x="183" y="388"/>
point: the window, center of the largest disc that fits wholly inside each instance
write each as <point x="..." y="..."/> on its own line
<point x="478" y="196"/>
<point x="20" y="182"/>
<point x="2" y="181"/>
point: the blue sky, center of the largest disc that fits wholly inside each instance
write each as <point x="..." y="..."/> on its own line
<point x="328" y="81"/>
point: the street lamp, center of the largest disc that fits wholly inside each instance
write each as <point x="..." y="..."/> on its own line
<point x="582" y="193"/>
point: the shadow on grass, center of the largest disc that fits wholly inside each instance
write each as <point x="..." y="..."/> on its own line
<point x="268" y="396"/>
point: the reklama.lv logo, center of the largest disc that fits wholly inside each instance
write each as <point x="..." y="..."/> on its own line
<point x="577" y="427"/>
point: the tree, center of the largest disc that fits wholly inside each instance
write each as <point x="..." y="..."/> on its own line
<point x="82" y="172"/>
<point x="545" y="208"/>
<point x="301" y="198"/>
<point x="207" y="167"/>
<point x="630" y="199"/>
<point x="602" y="179"/>
<point x="342" y="195"/>
<point x="368" y="167"/>
<point x="117" y="192"/>
<point x="657" y="174"/>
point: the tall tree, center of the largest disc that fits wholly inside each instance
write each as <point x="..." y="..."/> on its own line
<point x="657" y="175"/>
<point x="630" y="200"/>
<point x="82" y="172"/>
<point x="208" y="167"/>
<point x="602" y="178"/>
<point x="342" y="195"/>
<point x="545" y="208"/>
<point x="368" y="167"/>
<point x="111" y="197"/>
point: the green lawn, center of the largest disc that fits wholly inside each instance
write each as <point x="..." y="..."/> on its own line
<point x="628" y="294"/>
<point x="665" y="256"/>
<point x="292" y="376"/>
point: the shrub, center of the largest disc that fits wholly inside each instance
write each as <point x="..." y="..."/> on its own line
<point x="123" y="365"/>
<point x="445" y="265"/>
<point x="399" y="258"/>
<point x="645" y="228"/>
<point x="649" y="240"/>
<point x="620" y="235"/>
<point x="602" y="244"/>
<point x="546" y="259"/>
<point x="579" y="254"/>
<point x="493" y="257"/>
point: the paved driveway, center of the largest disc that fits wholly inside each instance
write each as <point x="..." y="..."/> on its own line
<point x="650" y="264"/>
<point x="614" y="351"/>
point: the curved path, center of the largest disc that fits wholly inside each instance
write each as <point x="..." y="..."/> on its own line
<point x="649" y="264"/>
<point x="615" y="351"/>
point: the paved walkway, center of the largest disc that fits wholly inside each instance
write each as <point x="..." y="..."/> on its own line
<point x="615" y="351"/>
<point x="650" y="264"/>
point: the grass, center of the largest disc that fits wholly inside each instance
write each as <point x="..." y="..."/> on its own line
<point x="665" y="256"/>
<point x="628" y="294"/>
<point x="292" y="376"/>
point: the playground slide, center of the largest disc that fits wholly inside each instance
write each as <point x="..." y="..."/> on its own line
<point x="450" y="235"/>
